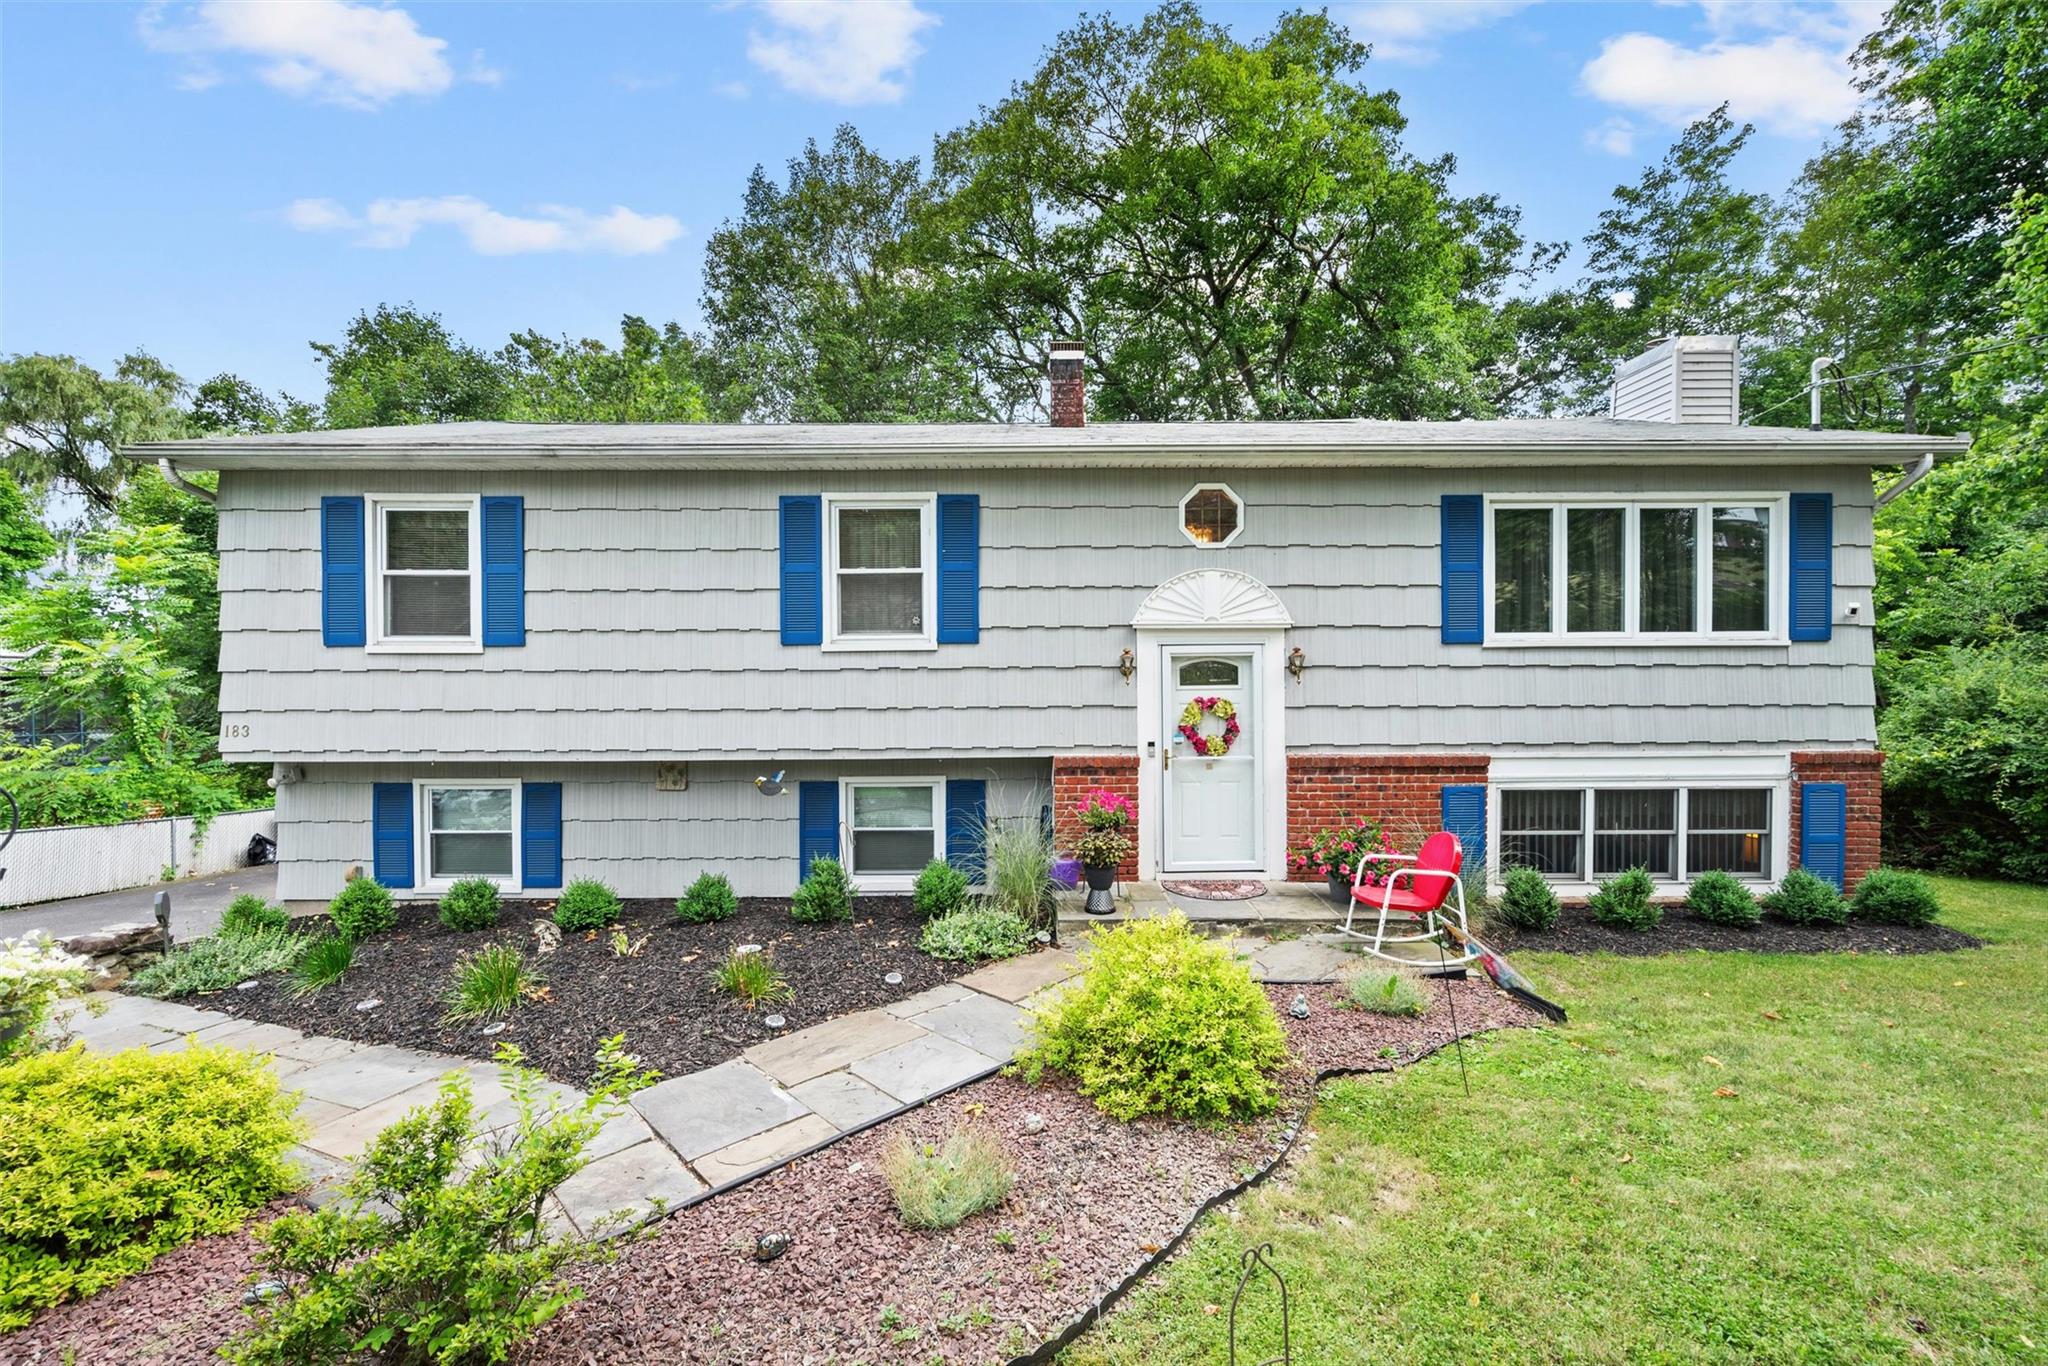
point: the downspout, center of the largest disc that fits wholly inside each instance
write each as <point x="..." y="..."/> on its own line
<point x="1915" y="472"/>
<point x="179" y="481"/>
<point x="1820" y="363"/>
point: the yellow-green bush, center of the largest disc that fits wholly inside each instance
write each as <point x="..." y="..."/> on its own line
<point x="107" y="1162"/>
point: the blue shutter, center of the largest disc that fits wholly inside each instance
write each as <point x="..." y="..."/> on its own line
<point x="1824" y="830"/>
<point x="1812" y="612"/>
<point x="540" y="834"/>
<point x="1464" y="807"/>
<point x="817" y="823"/>
<point x="342" y="620"/>
<point x="1464" y="516"/>
<point x="504" y="540"/>
<point x="959" y="568"/>
<point x="391" y="833"/>
<point x="966" y="811"/>
<point x="803" y="570"/>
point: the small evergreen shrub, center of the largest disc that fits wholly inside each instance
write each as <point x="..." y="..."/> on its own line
<point x="1161" y="1021"/>
<point x="489" y="983"/>
<point x="1385" y="993"/>
<point x="826" y="894"/>
<point x="709" y="899"/>
<point x="1805" y="899"/>
<point x="1721" y="899"/>
<point x="1623" y="902"/>
<point x="1893" y="896"/>
<point x="751" y="978"/>
<point x="938" y="1185"/>
<point x="107" y="1161"/>
<point x="364" y="908"/>
<point x="322" y="964"/>
<point x="975" y="932"/>
<point x="587" y="904"/>
<point x="471" y="904"/>
<point x="217" y="963"/>
<point x="249" y="913"/>
<point x="941" y="889"/>
<point x="1526" y="901"/>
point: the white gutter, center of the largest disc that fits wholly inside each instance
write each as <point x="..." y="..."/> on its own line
<point x="1915" y="472"/>
<point x="1820" y="363"/>
<point x="179" y="481"/>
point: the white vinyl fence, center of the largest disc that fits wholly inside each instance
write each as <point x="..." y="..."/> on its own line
<point x="51" y="862"/>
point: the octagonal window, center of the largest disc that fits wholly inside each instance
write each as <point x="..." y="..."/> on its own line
<point x="1211" y="515"/>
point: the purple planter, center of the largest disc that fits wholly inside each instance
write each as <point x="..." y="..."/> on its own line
<point x="1066" y="873"/>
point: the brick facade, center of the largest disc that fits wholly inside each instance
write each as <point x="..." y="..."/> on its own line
<point x="1861" y="772"/>
<point x="1073" y="775"/>
<point x="1404" y="792"/>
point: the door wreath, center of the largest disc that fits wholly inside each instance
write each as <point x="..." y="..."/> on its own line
<point x="1224" y="710"/>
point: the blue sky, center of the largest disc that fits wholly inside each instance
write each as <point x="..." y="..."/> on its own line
<point x="220" y="183"/>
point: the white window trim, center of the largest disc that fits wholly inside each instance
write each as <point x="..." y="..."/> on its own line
<point x="902" y="882"/>
<point x="424" y="880"/>
<point x="928" y="555"/>
<point x="1235" y="531"/>
<point x="381" y="642"/>
<point x="1703" y="582"/>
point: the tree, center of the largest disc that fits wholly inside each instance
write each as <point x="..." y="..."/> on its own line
<point x="25" y="545"/>
<point x="652" y="377"/>
<point x="231" y="405"/>
<point x="400" y="366"/>
<point x="62" y="420"/>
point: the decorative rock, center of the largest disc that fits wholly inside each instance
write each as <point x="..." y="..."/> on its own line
<point x="368" y="1004"/>
<point x="1034" y="1123"/>
<point x="1298" y="1007"/>
<point x="494" y="1027"/>
<point x="249" y="985"/>
<point x="1043" y="936"/>
<point x="892" y="979"/>
<point x="775" y="1022"/>
<point x="746" y="948"/>
<point x="261" y="1291"/>
<point x="769" y="1246"/>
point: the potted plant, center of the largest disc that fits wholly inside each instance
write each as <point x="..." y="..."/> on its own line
<point x="1106" y="817"/>
<point x="1335" y="853"/>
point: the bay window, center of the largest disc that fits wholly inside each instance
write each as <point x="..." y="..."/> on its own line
<point x="1586" y="834"/>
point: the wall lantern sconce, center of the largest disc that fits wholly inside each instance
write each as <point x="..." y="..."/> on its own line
<point x="1127" y="664"/>
<point x="1296" y="662"/>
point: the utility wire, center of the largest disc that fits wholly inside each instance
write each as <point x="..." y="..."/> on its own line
<point x="1894" y="369"/>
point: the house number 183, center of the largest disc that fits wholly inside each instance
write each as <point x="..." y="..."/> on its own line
<point x="234" y="731"/>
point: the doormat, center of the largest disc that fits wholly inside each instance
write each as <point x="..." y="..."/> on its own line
<point x="1217" y="891"/>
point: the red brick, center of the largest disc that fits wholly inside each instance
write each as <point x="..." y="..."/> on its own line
<point x="1400" y="791"/>
<point x="1861" y="772"/>
<point x="1073" y="776"/>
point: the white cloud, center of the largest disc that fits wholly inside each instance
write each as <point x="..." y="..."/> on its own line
<point x="357" y="55"/>
<point x="1411" y="30"/>
<point x="393" y="223"/>
<point x="1616" y="136"/>
<point x="844" y="51"/>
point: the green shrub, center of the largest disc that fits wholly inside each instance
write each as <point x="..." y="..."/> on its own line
<point x="1804" y="899"/>
<point x="751" y="977"/>
<point x="709" y="899"/>
<point x="1721" y="899"/>
<point x="364" y="908"/>
<point x="249" y="913"/>
<point x="1623" y="902"/>
<point x="434" y="1251"/>
<point x="489" y="983"/>
<point x="1161" y="1021"/>
<point x="1893" y="896"/>
<point x="107" y="1161"/>
<point x="975" y="932"/>
<point x="1526" y="900"/>
<point x="471" y="904"/>
<point x="322" y="964"/>
<point x="217" y="963"/>
<point x="587" y="904"/>
<point x="937" y="1186"/>
<point x="1385" y="993"/>
<point x="940" y="890"/>
<point x="827" y="893"/>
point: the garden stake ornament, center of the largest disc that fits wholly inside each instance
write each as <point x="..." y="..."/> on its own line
<point x="1254" y="1260"/>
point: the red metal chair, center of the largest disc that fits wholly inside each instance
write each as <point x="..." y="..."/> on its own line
<point x="1433" y="891"/>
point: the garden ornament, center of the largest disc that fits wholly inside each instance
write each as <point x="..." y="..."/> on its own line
<point x="1298" y="1007"/>
<point x="1254" y="1260"/>
<point x="1505" y="977"/>
<point x="771" y="785"/>
<point x="769" y="1246"/>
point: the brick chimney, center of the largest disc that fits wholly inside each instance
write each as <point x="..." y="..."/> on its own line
<point x="1069" y="385"/>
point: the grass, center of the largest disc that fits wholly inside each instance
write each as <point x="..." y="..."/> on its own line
<point x="323" y="963"/>
<point x="938" y="1185"/>
<point x="751" y="977"/>
<point x="1723" y="1157"/>
<point x="489" y="983"/>
<point x="1385" y="993"/>
<point x="217" y="963"/>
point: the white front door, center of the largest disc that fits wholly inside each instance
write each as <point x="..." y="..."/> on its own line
<point x="1212" y="801"/>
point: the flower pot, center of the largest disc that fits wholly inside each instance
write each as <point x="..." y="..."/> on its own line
<point x="1340" y="888"/>
<point x="1101" y="876"/>
<point x="1066" y="873"/>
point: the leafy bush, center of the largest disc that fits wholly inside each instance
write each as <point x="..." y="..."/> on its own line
<point x="1623" y="902"/>
<point x="36" y="973"/>
<point x="938" y="1186"/>
<point x="1893" y="896"/>
<point x="1103" y="848"/>
<point x="489" y="983"/>
<point x="464" y="1269"/>
<point x="587" y="904"/>
<point x="364" y="908"/>
<point x="322" y="964"/>
<point x="108" y="1161"/>
<point x="1385" y="993"/>
<point x="940" y="889"/>
<point x="217" y="963"/>
<point x="1721" y="899"/>
<point x="56" y="787"/>
<point x="827" y="893"/>
<point x="249" y="913"/>
<point x="1804" y="899"/>
<point x="1162" y="1021"/>
<point x="709" y="899"/>
<point x="751" y="977"/>
<point x="1526" y="900"/>
<point x="471" y="904"/>
<point x="975" y="932"/>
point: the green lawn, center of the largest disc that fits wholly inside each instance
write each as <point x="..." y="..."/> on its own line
<point x="1875" y="1188"/>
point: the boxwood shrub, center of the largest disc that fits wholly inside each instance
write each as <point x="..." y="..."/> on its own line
<point x="251" y="914"/>
<point x="587" y="904"/>
<point x="1623" y="902"/>
<point x="1721" y="899"/>
<point x="1526" y="901"/>
<point x="1893" y="896"/>
<point x="471" y="904"/>
<point x="941" y="889"/>
<point x="826" y="894"/>
<point x="364" y="908"/>
<point x="1804" y="899"/>
<point x="710" y="898"/>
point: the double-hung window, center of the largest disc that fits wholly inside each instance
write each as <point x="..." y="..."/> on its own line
<point x="426" y="593"/>
<point x="471" y="831"/>
<point x="880" y="556"/>
<point x="1673" y="570"/>
<point x="1585" y="834"/>
<point x="893" y="825"/>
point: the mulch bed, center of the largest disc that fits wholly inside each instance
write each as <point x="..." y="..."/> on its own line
<point x="1577" y="932"/>
<point x="662" y="1000"/>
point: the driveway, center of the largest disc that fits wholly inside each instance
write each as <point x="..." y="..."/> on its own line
<point x="196" y="904"/>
